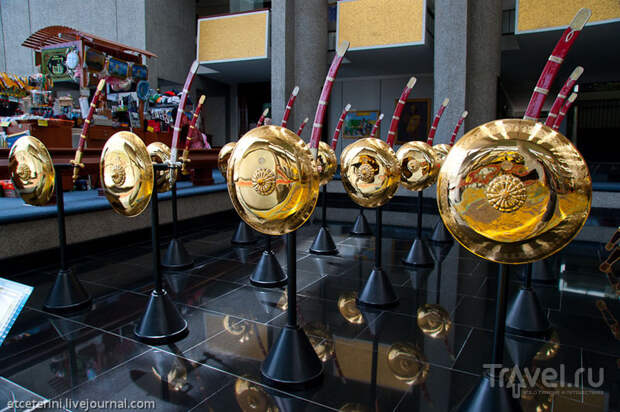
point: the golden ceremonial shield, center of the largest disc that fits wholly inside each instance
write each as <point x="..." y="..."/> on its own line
<point x="32" y="171"/>
<point x="418" y="165"/>
<point x="160" y="153"/>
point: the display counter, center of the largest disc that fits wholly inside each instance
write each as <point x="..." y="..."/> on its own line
<point x="52" y="132"/>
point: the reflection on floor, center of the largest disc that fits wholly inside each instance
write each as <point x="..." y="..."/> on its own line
<point x="94" y="356"/>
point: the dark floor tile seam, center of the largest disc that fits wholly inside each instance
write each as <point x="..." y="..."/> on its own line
<point x="202" y="342"/>
<point x="205" y="401"/>
<point x="458" y="355"/>
<point x="117" y="288"/>
<point x="402" y="398"/>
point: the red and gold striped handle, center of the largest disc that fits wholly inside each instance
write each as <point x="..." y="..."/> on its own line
<point x="343" y="115"/>
<point x="317" y="126"/>
<point x="190" y="135"/>
<point x="559" y="100"/>
<point x="77" y="161"/>
<point x="431" y="133"/>
<point x="289" y="106"/>
<point x="261" y="119"/>
<point x="554" y="62"/>
<point x="302" y="125"/>
<point x="457" y="127"/>
<point x="565" y="107"/>
<point x="176" y="131"/>
<point x="398" y="110"/>
<point x="375" y="127"/>
<point x="614" y="239"/>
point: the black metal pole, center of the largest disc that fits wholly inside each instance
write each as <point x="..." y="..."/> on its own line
<point x="420" y="201"/>
<point x="60" y="208"/>
<point x="528" y="277"/>
<point x="324" y="205"/>
<point x="159" y="287"/>
<point x="378" y="237"/>
<point x="268" y="246"/>
<point x="500" y="316"/>
<point x="174" y="209"/>
<point x="291" y="257"/>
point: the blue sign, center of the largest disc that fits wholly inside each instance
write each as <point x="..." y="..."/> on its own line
<point x="13" y="297"/>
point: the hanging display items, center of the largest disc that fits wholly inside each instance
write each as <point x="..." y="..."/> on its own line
<point x="54" y="64"/>
<point x="139" y="72"/>
<point x="118" y="68"/>
<point x="94" y="59"/>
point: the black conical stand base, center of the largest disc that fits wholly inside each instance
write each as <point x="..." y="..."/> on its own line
<point x="323" y="243"/>
<point x="292" y="360"/>
<point x="244" y="235"/>
<point x="361" y="227"/>
<point x="419" y="254"/>
<point x="161" y="323"/>
<point x="526" y="316"/>
<point x="490" y="396"/>
<point x="441" y="234"/>
<point x="176" y="256"/>
<point x="378" y="290"/>
<point x="268" y="273"/>
<point x="67" y="294"/>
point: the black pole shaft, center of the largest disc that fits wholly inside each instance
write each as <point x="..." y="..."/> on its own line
<point x="155" y="238"/>
<point x="324" y="205"/>
<point x="60" y="209"/>
<point x="528" y="277"/>
<point x="420" y="201"/>
<point x="500" y="316"/>
<point x="378" y="237"/>
<point x="291" y="257"/>
<point x="268" y="246"/>
<point x="174" y="210"/>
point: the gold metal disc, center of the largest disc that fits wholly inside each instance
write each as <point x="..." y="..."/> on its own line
<point x="32" y="171"/>
<point x="418" y="165"/>
<point x="160" y="153"/>
<point x="441" y="151"/>
<point x="347" y="306"/>
<point x="407" y="363"/>
<point x="252" y="397"/>
<point x="327" y="162"/>
<point x="271" y="180"/>
<point x="434" y="321"/>
<point x="370" y="172"/>
<point x="223" y="156"/>
<point x="514" y="191"/>
<point x="126" y="173"/>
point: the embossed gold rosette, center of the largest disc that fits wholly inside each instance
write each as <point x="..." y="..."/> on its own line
<point x="514" y="191"/>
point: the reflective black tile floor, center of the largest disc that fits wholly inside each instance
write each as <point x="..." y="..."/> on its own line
<point x="94" y="356"/>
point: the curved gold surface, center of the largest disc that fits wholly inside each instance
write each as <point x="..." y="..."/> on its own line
<point x="271" y="180"/>
<point x="514" y="191"/>
<point x="321" y="340"/>
<point x="160" y="153"/>
<point x="434" y="321"/>
<point x="32" y="171"/>
<point x="223" y="156"/>
<point x="441" y="152"/>
<point x="327" y="163"/>
<point x="370" y="172"/>
<point x="550" y="348"/>
<point x="126" y="173"/>
<point x="347" y="306"/>
<point x="418" y="165"/>
<point x="354" y="407"/>
<point x="253" y="398"/>
<point x="407" y="363"/>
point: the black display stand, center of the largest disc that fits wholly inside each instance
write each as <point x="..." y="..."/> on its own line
<point x="176" y="256"/>
<point x="361" y="228"/>
<point x="244" y="235"/>
<point x="323" y="243"/>
<point x="67" y="293"/>
<point x="292" y="360"/>
<point x="161" y="322"/>
<point x="378" y="290"/>
<point x="441" y="234"/>
<point x="268" y="273"/>
<point x="419" y="253"/>
<point x="543" y="271"/>
<point x="526" y="316"/>
<point x="491" y="395"/>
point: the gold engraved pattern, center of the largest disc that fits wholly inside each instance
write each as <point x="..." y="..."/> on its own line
<point x="506" y="193"/>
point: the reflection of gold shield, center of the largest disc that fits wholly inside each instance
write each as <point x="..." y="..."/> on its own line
<point x="223" y="156"/>
<point x="347" y="306"/>
<point x="321" y="340"/>
<point x="418" y="165"/>
<point x="441" y="151"/>
<point x="407" y="363"/>
<point x="326" y="159"/>
<point x="32" y="171"/>
<point x="370" y="172"/>
<point x="271" y="180"/>
<point x="252" y="397"/>
<point x="126" y="173"/>
<point x="160" y="153"/>
<point x="434" y="321"/>
<point x="514" y="191"/>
